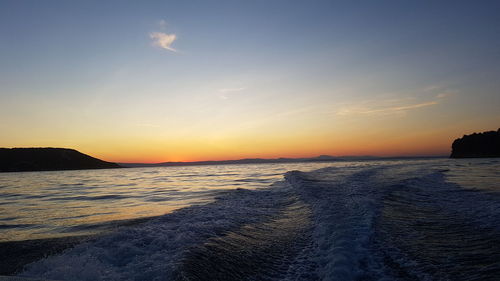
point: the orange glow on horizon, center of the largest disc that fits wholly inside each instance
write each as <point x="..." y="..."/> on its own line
<point x="390" y="141"/>
<point x="379" y="148"/>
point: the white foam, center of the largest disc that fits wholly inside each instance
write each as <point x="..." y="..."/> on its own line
<point x="152" y="250"/>
<point x="345" y="206"/>
<point x="344" y="212"/>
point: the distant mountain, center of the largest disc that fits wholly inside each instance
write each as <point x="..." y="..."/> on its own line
<point x="486" y="144"/>
<point x="48" y="159"/>
<point x="226" y="162"/>
<point x="322" y="158"/>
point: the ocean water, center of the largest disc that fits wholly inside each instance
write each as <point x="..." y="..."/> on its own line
<point x="36" y="205"/>
<point x="436" y="219"/>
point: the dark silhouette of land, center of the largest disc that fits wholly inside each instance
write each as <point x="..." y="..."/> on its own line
<point x="486" y="144"/>
<point x="48" y="159"/>
<point x="322" y="158"/>
<point x="53" y="159"/>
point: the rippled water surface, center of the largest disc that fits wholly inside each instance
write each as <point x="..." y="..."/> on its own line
<point x="58" y="203"/>
<point x="434" y="219"/>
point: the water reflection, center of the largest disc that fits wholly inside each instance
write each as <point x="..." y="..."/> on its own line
<point x="52" y="204"/>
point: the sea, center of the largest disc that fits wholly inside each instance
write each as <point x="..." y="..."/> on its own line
<point x="400" y="219"/>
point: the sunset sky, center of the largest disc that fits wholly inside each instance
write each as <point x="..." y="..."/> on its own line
<point x="154" y="81"/>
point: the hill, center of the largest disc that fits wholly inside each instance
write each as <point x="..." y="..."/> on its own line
<point x="48" y="159"/>
<point x="322" y="158"/>
<point x="486" y="144"/>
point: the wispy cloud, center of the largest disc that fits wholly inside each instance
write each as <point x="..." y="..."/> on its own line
<point x="440" y="91"/>
<point x="444" y="95"/>
<point x="435" y="94"/>
<point x="228" y="90"/>
<point x="225" y="92"/>
<point x="163" y="40"/>
<point x="383" y="110"/>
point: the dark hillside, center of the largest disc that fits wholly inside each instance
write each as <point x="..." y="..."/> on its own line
<point x="486" y="144"/>
<point x="48" y="159"/>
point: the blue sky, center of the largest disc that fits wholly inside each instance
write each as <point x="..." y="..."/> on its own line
<point x="236" y="75"/>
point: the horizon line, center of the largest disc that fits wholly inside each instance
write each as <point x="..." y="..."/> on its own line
<point x="326" y="158"/>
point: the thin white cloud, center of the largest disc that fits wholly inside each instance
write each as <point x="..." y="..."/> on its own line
<point x="444" y="95"/>
<point x="225" y="92"/>
<point x="432" y="88"/>
<point x="396" y="106"/>
<point x="163" y="40"/>
<point x="383" y="110"/>
<point x="439" y="91"/>
<point x="228" y="90"/>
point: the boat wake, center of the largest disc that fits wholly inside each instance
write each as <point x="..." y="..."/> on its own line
<point x="392" y="222"/>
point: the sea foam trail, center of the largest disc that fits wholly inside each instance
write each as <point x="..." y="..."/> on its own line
<point x="255" y="251"/>
<point x="430" y="229"/>
<point x="344" y="209"/>
<point x="156" y="250"/>
<point x="392" y="222"/>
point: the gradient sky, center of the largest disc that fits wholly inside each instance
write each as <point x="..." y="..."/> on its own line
<point x="151" y="81"/>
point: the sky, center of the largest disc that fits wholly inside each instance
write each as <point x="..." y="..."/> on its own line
<point x="155" y="81"/>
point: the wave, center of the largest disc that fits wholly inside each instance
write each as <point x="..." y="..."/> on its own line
<point x="393" y="222"/>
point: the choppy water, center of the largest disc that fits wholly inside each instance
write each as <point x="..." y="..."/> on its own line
<point x="59" y="203"/>
<point x="374" y="220"/>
